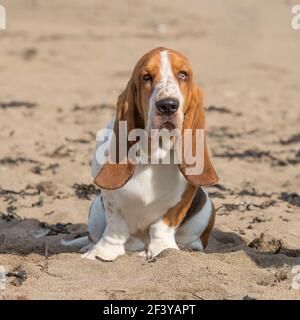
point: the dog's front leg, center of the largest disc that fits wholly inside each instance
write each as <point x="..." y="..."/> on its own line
<point x="161" y="237"/>
<point x="111" y="245"/>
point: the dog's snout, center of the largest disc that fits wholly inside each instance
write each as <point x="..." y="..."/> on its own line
<point x="167" y="106"/>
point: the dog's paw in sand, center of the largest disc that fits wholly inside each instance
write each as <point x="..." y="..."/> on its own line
<point x="161" y="238"/>
<point x="196" y="245"/>
<point x="105" y="252"/>
<point x="142" y="254"/>
<point x="156" y="247"/>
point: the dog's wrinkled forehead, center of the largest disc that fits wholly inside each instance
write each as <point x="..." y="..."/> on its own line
<point x="162" y="63"/>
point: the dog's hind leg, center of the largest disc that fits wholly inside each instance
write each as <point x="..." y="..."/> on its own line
<point x="195" y="230"/>
<point x="76" y="243"/>
<point x="97" y="222"/>
<point x="96" y="227"/>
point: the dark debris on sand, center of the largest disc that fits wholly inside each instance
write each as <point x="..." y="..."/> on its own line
<point x="293" y="139"/>
<point x="262" y="244"/>
<point x="23" y="193"/>
<point x="17" y="104"/>
<point x="10" y="215"/>
<point x="82" y="141"/>
<point x="223" y="110"/>
<point x="12" y="196"/>
<point x="94" y="107"/>
<point x="227" y="133"/>
<point x="256" y="154"/>
<point x="253" y="193"/>
<point x="252" y="154"/>
<point x="222" y="191"/>
<point x="18" y="275"/>
<point x="55" y="229"/>
<point x="40" y="168"/>
<point x="17" y="161"/>
<point x="84" y="191"/>
<point x="60" y="152"/>
<point x="248" y="206"/>
<point x="290" y="197"/>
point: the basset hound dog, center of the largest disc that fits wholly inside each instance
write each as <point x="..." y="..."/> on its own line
<point x="152" y="207"/>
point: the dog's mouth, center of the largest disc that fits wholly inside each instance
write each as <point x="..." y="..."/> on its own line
<point x="168" y="125"/>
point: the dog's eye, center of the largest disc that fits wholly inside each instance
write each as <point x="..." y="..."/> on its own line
<point x="182" y="75"/>
<point x="147" y="77"/>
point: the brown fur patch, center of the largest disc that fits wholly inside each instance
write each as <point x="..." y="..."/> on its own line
<point x="205" y="235"/>
<point x="198" y="203"/>
<point x="176" y="214"/>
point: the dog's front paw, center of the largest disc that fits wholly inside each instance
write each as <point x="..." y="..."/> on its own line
<point x="90" y="254"/>
<point x="156" y="247"/>
<point x="104" y="252"/>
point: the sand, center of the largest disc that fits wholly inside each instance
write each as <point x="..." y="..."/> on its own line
<point x="62" y="67"/>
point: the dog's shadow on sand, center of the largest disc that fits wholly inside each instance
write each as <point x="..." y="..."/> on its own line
<point x="263" y="251"/>
<point x="27" y="236"/>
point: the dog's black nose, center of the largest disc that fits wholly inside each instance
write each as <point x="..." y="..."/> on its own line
<point x="167" y="106"/>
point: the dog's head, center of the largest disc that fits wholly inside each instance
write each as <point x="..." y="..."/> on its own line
<point x="161" y="94"/>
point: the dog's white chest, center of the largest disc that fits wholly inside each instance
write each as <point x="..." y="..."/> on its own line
<point x="148" y="195"/>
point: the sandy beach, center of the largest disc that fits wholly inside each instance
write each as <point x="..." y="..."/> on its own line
<point x="62" y="66"/>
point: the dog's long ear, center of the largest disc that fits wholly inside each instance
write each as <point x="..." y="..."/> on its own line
<point x="194" y="119"/>
<point x="115" y="175"/>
